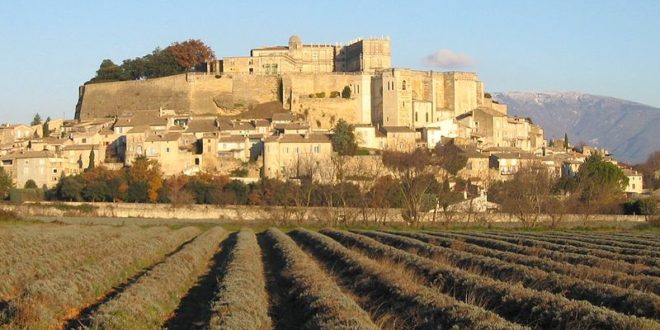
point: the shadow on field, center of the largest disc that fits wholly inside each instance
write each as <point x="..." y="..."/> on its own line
<point x="84" y="319"/>
<point x="283" y="310"/>
<point x="194" y="310"/>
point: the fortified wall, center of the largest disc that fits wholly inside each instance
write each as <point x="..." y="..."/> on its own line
<point x="197" y="93"/>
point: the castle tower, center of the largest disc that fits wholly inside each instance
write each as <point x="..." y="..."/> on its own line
<point x="295" y="47"/>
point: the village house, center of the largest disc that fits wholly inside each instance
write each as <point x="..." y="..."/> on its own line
<point x="43" y="167"/>
<point x="635" y="181"/>
<point x="295" y="155"/>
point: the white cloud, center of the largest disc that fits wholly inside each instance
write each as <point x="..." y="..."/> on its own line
<point x="446" y="58"/>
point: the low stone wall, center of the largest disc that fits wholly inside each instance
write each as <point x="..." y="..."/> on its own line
<point x="259" y="213"/>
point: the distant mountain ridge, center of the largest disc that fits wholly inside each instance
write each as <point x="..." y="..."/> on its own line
<point x="629" y="130"/>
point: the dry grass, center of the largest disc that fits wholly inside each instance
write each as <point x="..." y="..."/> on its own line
<point x="147" y="302"/>
<point x="392" y="290"/>
<point x="45" y="303"/>
<point x="622" y="280"/>
<point x="89" y="245"/>
<point x="322" y="303"/>
<point x="511" y="301"/>
<point x="632" y="302"/>
<point x="242" y="300"/>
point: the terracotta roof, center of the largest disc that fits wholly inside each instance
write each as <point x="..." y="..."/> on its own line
<point x="80" y="147"/>
<point x="167" y="136"/>
<point x="261" y="123"/>
<point x="138" y="129"/>
<point x="141" y="118"/>
<point x="232" y="139"/>
<point x="514" y="155"/>
<point x="299" y="138"/>
<point x="490" y="111"/>
<point x="202" y="125"/>
<point x="282" y="116"/>
<point x="30" y="154"/>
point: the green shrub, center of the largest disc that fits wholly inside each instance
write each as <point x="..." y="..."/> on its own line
<point x="320" y="95"/>
<point x="346" y="92"/>
<point x="311" y="96"/>
<point x="17" y="195"/>
<point x="334" y="94"/>
<point x="83" y="208"/>
<point x="30" y="184"/>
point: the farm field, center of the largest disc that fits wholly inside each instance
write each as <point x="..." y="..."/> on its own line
<point x="75" y="276"/>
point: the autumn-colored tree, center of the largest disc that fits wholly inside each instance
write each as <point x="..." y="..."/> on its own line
<point x="191" y="53"/>
<point x="146" y="171"/>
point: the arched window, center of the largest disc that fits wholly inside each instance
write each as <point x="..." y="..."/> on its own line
<point x="403" y="85"/>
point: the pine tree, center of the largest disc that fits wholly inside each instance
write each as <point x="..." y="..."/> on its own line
<point x="91" y="159"/>
<point x="566" y="141"/>
<point x="36" y="120"/>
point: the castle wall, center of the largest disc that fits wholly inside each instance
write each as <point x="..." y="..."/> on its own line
<point x="199" y="94"/>
<point x="326" y="110"/>
<point x="113" y="98"/>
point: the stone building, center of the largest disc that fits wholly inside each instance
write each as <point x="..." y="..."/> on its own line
<point x="294" y="155"/>
<point x="358" y="56"/>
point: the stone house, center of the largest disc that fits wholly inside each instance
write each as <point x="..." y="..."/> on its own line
<point x="295" y="155"/>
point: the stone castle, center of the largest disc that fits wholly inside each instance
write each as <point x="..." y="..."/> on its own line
<point x="306" y="79"/>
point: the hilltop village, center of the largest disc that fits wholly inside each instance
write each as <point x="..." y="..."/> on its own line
<point x="272" y="114"/>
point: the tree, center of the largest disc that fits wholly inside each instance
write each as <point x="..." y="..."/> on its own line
<point x="108" y="71"/>
<point x="412" y="171"/>
<point x="30" y="184"/>
<point x="566" y="141"/>
<point x="145" y="171"/>
<point x="92" y="160"/>
<point x="191" y="53"/>
<point x="450" y="157"/>
<point x="346" y="92"/>
<point x="526" y="194"/>
<point x="6" y="183"/>
<point x="36" y="120"/>
<point x="599" y="185"/>
<point x="46" y="128"/>
<point x="647" y="207"/>
<point x="343" y="138"/>
<point x="69" y="188"/>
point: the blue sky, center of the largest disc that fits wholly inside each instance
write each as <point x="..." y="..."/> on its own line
<point x="611" y="48"/>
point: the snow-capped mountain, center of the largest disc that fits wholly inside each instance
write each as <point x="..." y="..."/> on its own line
<point x="629" y="130"/>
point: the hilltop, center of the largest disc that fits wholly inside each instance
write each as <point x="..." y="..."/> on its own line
<point x="629" y="130"/>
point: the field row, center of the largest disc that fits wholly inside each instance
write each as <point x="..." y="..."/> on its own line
<point x="192" y="278"/>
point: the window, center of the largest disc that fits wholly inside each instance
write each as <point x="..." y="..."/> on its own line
<point x="403" y="85"/>
<point x="167" y="149"/>
<point x="84" y="140"/>
<point x="427" y="117"/>
<point x="196" y="161"/>
<point x="316" y="148"/>
<point x="54" y="171"/>
<point x="416" y="116"/>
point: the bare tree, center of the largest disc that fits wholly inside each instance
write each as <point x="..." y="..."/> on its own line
<point x="413" y="173"/>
